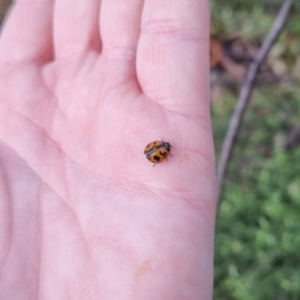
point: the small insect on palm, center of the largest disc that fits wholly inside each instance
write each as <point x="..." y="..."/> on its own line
<point x="157" y="151"/>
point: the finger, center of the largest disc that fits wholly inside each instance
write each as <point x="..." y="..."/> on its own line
<point x="120" y="29"/>
<point x="76" y="26"/>
<point x="173" y="54"/>
<point x="27" y="32"/>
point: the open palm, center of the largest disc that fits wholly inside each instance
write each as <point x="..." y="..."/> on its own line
<point x="84" y="86"/>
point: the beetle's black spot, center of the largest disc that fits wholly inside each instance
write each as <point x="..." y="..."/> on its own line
<point x="146" y="149"/>
<point x="156" y="158"/>
<point x="163" y="153"/>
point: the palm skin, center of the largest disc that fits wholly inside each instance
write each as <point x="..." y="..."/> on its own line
<point x="83" y="214"/>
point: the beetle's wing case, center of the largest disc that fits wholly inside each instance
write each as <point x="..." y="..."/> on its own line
<point x="152" y="146"/>
<point x="153" y="157"/>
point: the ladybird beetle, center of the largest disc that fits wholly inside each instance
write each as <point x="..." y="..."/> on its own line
<point x="157" y="151"/>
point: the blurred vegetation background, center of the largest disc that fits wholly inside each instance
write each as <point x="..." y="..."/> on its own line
<point x="257" y="248"/>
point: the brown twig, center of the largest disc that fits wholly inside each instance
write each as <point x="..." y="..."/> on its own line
<point x="245" y="93"/>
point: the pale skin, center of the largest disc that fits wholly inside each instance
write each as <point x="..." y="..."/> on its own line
<point x="84" y="87"/>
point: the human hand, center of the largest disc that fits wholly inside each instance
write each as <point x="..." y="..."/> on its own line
<point x="84" y="86"/>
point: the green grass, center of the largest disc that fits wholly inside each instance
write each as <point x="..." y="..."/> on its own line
<point x="257" y="240"/>
<point x="257" y="234"/>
